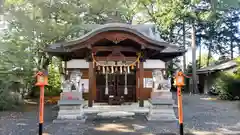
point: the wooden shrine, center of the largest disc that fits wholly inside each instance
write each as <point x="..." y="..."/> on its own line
<point x="116" y="53"/>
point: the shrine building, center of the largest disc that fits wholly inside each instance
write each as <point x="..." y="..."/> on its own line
<point x="116" y="61"/>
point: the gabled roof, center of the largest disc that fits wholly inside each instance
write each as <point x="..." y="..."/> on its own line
<point x="219" y="67"/>
<point x="146" y="32"/>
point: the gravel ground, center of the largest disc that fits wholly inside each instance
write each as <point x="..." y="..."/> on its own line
<point x="201" y="117"/>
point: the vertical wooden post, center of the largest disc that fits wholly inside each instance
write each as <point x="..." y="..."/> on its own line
<point x="137" y="84"/>
<point x="65" y="69"/>
<point x="141" y="76"/>
<point x="91" y="83"/>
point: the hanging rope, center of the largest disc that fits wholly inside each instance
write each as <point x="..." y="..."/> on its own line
<point x="186" y="76"/>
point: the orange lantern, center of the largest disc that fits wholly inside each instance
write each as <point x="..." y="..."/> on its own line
<point x="180" y="79"/>
<point x="42" y="79"/>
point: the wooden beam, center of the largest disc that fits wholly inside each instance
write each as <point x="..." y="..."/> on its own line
<point x="111" y="48"/>
<point x="115" y="58"/>
<point x="141" y="77"/>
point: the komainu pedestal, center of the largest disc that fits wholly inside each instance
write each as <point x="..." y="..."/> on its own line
<point x="70" y="108"/>
<point x="161" y="106"/>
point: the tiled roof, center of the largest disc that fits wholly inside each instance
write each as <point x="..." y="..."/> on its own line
<point x="223" y="66"/>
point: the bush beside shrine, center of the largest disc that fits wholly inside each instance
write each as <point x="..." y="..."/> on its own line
<point x="227" y="85"/>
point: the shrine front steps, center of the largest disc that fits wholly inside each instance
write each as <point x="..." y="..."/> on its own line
<point x="115" y="114"/>
<point x="155" y="110"/>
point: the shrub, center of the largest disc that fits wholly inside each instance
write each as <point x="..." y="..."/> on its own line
<point x="8" y="101"/>
<point x="227" y="85"/>
<point x="54" y="81"/>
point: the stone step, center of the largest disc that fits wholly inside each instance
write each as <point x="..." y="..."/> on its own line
<point x="161" y="119"/>
<point x="127" y="109"/>
<point x="70" y="117"/>
<point x="116" y="114"/>
<point x="60" y="121"/>
<point x="71" y="113"/>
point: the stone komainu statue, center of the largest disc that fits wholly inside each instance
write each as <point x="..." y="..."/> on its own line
<point x="157" y="79"/>
<point x="160" y="83"/>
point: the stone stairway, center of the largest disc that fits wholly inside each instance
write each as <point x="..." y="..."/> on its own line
<point x="131" y="108"/>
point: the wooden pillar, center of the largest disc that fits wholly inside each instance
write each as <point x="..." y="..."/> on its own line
<point x="94" y="85"/>
<point x="91" y="87"/>
<point x="141" y="76"/>
<point x="137" y="84"/>
<point x="65" y="70"/>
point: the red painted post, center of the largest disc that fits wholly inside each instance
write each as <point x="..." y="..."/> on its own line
<point x="42" y="80"/>
<point x="180" y="83"/>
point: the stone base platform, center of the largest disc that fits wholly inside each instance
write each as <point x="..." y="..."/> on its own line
<point x="161" y="107"/>
<point x="70" y="110"/>
<point x="160" y="111"/>
<point x="105" y="108"/>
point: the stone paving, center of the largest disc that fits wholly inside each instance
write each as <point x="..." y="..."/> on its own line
<point x="201" y="117"/>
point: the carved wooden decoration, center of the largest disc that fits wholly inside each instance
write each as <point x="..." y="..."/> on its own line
<point x="116" y="54"/>
<point x="116" y="37"/>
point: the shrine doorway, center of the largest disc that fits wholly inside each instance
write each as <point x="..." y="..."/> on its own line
<point x="116" y="87"/>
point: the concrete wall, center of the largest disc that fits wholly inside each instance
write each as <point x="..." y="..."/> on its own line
<point x="82" y="64"/>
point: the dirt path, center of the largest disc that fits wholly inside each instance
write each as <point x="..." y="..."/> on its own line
<point x="201" y="117"/>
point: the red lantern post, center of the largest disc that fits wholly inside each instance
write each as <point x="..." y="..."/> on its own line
<point x="42" y="80"/>
<point x="180" y="83"/>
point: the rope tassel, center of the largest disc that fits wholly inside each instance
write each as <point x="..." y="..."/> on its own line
<point x="103" y="70"/>
<point x="132" y="67"/>
<point x="125" y="89"/>
<point x="128" y="69"/>
<point x="112" y="69"/>
<point x="121" y="70"/>
<point x="106" y="87"/>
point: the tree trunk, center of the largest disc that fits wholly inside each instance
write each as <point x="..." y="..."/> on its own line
<point x="184" y="46"/>
<point x="209" y="52"/>
<point x="238" y="49"/>
<point x="171" y="62"/>
<point x="200" y="53"/>
<point x="231" y="40"/>
<point x="231" y="47"/>
<point x="210" y="45"/>
<point x="194" y="72"/>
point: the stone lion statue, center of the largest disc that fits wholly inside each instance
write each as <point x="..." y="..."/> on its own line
<point x="157" y="79"/>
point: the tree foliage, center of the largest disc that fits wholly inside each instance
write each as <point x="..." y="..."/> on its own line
<point x="33" y="24"/>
